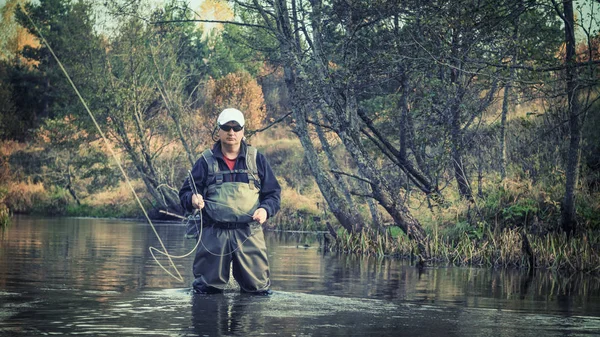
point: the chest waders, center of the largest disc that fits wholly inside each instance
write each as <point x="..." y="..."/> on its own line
<point x="231" y="201"/>
<point x="241" y="248"/>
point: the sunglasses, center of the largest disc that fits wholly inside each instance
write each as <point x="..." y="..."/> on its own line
<point x="227" y="128"/>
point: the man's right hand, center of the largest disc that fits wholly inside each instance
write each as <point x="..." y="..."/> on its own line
<point x="197" y="201"/>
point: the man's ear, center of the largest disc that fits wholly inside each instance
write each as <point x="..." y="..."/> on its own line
<point x="215" y="133"/>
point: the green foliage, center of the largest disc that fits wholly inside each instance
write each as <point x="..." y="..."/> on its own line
<point x="464" y="229"/>
<point x="236" y="48"/>
<point x="588" y="209"/>
<point x="395" y="232"/>
<point x="122" y="211"/>
<point x="4" y="215"/>
<point x="19" y="101"/>
<point x="591" y="147"/>
<point x="518" y="213"/>
<point x="68" y="28"/>
<point x="8" y="122"/>
<point x="518" y="203"/>
<point x="53" y="203"/>
<point x="4" y="210"/>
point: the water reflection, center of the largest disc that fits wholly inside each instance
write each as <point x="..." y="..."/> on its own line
<point x="348" y="275"/>
<point x="95" y="277"/>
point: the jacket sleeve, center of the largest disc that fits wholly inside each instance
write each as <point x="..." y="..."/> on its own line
<point x="270" y="191"/>
<point x="199" y="172"/>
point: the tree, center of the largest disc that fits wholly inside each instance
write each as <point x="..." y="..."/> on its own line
<point x="73" y="158"/>
<point x="237" y="90"/>
<point x="569" y="222"/>
<point x="14" y="37"/>
<point x="18" y="78"/>
<point x="68" y="28"/>
<point x="325" y="81"/>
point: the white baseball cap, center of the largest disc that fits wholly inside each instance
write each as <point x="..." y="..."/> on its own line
<point x="231" y="115"/>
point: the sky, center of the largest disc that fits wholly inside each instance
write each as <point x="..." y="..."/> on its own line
<point x="588" y="6"/>
<point x="195" y="4"/>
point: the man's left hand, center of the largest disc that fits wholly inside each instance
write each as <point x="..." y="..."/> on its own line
<point x="260" y="215"/>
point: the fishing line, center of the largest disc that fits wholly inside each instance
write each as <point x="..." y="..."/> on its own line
<point x="108" y="145"/>
<point x="153" y="250"/>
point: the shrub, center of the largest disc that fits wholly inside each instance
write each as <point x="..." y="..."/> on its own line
<point x="24" y="197"/>
<point x="113" y="202"/>
<point x="55" y="202"/>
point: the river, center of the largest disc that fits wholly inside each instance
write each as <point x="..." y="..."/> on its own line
<point x="96" y="277"/>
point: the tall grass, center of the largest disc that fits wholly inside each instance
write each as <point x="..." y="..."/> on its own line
<point x="554" y="251"/>
<point x="34" y="198"/>
<point x="25" y="196"/>
<point x="494" y="231"/>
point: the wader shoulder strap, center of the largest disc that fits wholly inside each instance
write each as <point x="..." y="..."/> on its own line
<point x="214" y="171"/>
<point x="213" y="168"/>
<point x="253" y="178"/>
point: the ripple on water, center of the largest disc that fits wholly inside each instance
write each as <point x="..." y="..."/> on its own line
<point x="286" y="304"/>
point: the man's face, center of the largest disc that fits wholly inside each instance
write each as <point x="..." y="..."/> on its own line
<point x="231" y="137"/>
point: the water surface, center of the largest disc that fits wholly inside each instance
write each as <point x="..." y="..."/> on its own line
<point x="96" y="277"/>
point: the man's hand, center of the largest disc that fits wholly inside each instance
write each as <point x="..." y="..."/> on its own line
<point x="197" y="201"/>
<point x="260" y="215"/>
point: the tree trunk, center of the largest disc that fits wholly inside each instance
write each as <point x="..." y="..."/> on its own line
<point x="459" y="169"/>
<point x="456" y="133"/>
<point x="335" y="167"/>
<point x="70" y="186"/>
<point x="342" y="113"/>
<point x="506" y="102"/>
<point x="507" y="89"/>
<point x="349" y="218"/>
<point x="568" y="215"/>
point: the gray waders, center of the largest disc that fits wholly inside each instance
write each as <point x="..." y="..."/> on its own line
<point x="234" y="238"/>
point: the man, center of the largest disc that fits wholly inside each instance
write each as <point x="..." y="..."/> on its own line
<point x="235" y="188"/>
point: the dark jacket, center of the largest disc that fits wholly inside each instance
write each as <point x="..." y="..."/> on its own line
<point x="270" y="191"/>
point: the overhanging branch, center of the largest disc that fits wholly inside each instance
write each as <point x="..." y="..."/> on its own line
<point x="351" y="176"/>
<point x="210" y="21"/>
<point x="534" y="69"/>
<point x="250" y="133"/>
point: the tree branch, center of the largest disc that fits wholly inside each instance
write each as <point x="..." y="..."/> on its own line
<point x="535" y="69"/>
<point x="351" y="176"/>
<point x="210" y="21"/>
<point x="250" y="133"/>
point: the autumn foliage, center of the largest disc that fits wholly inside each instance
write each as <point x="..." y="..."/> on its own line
<point x="236" y="90"/>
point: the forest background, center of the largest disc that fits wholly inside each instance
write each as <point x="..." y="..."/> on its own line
<point x="455" y="131"/>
